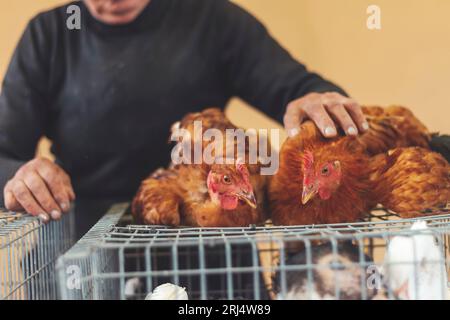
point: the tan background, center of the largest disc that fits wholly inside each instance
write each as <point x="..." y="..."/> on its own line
<point x="406" y="62"/>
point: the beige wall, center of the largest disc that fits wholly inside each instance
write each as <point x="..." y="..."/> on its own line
<point x="406" y="62"/>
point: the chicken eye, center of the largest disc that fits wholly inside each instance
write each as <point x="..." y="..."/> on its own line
<point x="325" y="171"/>
<point x="226" y="179"/>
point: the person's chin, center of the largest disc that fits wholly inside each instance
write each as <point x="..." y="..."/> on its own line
<point x="119" y="19"/>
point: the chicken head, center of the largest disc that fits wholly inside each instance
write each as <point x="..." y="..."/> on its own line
<point x="322" y="178"/>
<point x="229" y="185"/>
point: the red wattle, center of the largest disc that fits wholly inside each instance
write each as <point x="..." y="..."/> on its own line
<point x="228" y="202"/>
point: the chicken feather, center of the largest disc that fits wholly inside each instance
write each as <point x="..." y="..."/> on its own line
<point x="180" y="195"/>
<point x="390" y="164"/>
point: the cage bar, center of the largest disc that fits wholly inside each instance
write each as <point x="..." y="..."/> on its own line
<point x="239" y="263"/>
<point x="28" y="253"/>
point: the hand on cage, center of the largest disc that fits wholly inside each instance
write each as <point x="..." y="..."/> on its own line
<point x="41" y="188"/>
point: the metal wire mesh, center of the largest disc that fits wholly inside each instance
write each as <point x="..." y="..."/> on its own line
<point x="235" y="263"/>
<point x="28" y="252"/>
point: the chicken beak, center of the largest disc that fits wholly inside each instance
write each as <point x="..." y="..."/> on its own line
<point x="248" y="197"/>
<point x="308" y="195"/>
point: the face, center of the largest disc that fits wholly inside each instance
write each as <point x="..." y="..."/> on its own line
<point x="321" y="178"/>
<point x="116" y="12"/>
<point x="229" y="185"/>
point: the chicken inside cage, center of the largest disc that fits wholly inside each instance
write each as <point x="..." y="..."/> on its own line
<point x="413" y="267"/>
<point x="381" y="259"/>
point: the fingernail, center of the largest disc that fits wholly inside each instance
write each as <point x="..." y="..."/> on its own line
<point x="56" y="215"/>
<point x="293" y="132"/>
<point x="351" y="131"/>
<point x="43" y="217"/>
<point x="365" y="126"/>
<point x="330" y="131"/>
<point x="64" y="206"/>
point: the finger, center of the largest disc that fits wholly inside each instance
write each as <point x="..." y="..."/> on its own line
<point x="293" y="118"/>
<point x="357" y="115"/>
<point x="343" y="118"/>
<point x="11" y="202"/>
<point x="39" y="189"/>
<point x="322" y="119"/>
<point x="27" y="201"/>
<point x="72" y="195"/>
<point x="70" y="191"/>
<point x="53" y="180"/>
<point x="66" y="206"/>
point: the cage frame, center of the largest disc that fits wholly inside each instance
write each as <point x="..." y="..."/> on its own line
<point x="105" y="235"/>
<point x="29" y="249"/>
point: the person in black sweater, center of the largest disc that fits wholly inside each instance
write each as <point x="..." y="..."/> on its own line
<point x="107" y="93"/>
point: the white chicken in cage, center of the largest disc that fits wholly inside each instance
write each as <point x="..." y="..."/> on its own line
<point x="168" y="291"/>
<point x="414" y="265"/>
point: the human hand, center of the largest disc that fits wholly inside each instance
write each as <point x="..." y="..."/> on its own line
<point x="326" y="110"/>
<point x="41" y="188"/>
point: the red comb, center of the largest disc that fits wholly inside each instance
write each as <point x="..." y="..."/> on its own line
<point x="242" y="168"/>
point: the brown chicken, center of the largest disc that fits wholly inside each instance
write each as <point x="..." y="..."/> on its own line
<point x="216" y="195"/>
<point x="338" y="180"/>
<point x="412" y="181"/>
<point x="393" y="127"/>
<point x="319" y="180"/>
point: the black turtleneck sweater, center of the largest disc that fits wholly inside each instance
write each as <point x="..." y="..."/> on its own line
<point x="107" y="95"/>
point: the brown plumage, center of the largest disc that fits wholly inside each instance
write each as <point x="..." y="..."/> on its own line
<point x="337" y="180"/>
<point x="285" y="188"/>
<point x="210" y="118"/>
<point x="215" y="118"/>
<point x="216" y="195"/>
<point x="412" y="181"/>
<point x="392" y="127"/>
<point x="179" y="196"/>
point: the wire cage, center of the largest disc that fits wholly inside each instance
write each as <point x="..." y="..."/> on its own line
<point x="28" y="253"/>
<point x="119" y="260"/>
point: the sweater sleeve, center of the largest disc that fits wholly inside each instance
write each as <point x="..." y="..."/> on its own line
<point x="22" y="102"/>
<point x="258" y="69"/>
